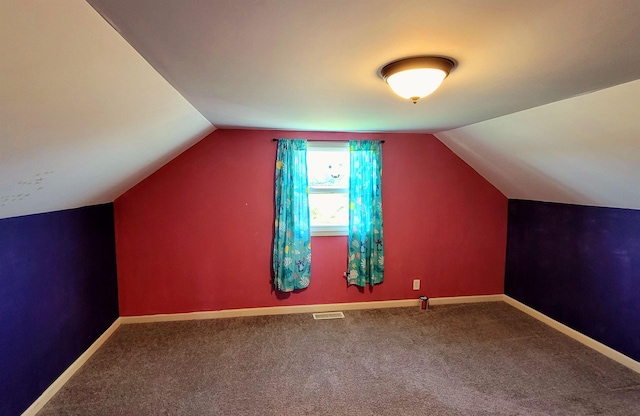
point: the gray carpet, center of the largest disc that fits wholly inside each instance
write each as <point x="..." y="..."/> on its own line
<point x="473" y="359"/>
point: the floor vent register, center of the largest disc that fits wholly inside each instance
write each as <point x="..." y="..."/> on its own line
<point x="328" y="315"/>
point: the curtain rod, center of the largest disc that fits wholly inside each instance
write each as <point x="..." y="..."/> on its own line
<point x="338" y="141"/>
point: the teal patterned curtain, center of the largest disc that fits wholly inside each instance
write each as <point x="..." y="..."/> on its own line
<point x="366" y="242"/>
<point x="292" y="236"/>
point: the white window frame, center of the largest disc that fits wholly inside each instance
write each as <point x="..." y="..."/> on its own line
<point x="328" y="146"/>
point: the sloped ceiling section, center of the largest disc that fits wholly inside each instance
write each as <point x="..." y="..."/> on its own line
<point x="584" y="150"/>
<point x="83" y="117"/>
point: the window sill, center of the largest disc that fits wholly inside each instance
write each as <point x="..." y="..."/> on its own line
<point x="329" y="230"/>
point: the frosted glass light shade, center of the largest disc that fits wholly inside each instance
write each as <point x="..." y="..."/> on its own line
<point x="416" y="77"/>
<point x="416" y="83"/>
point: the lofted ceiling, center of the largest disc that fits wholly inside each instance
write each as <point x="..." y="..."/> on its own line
<point x="83" y="117"/>
<point x="313" y="65"/>
<point x="584" y="150"/>
<point x="543" y="101"/>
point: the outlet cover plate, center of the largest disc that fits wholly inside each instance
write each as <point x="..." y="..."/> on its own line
<point x="416" y="284"/>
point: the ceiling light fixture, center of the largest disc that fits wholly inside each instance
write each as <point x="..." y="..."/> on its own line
<point x="416" y="77"/>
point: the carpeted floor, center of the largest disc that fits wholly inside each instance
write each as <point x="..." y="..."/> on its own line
<point x="472" y="359"/>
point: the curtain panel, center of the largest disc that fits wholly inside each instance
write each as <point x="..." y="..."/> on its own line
<point x="366" y="237"/>
<point x="292" y="235"/>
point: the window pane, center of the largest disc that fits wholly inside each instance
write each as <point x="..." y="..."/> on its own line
<point x="329" y="209"/>
<point x="328" y="168"/>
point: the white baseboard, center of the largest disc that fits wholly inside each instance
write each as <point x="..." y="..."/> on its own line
<point x="272" y="310"/>
<point x="282" y="310"/>
<point x="578" y="336"/>
<point x="466" y="299"/>
<point x="70" y="371"/>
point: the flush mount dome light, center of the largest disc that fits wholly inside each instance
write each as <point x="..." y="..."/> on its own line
<point x="416" y="77"/>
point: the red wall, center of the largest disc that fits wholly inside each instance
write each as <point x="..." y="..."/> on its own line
<point x="197" y="234"/>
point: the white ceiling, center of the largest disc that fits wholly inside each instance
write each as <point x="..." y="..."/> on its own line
<point x="82" y="116"/>
<point x="312" y="65"/>
<point x="85" y="117"/>
<point x="584" y="150"/>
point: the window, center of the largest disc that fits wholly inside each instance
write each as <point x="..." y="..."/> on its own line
<point x="328" y="171"/>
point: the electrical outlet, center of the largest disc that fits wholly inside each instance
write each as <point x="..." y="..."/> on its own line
<point x="416" y="284"/>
